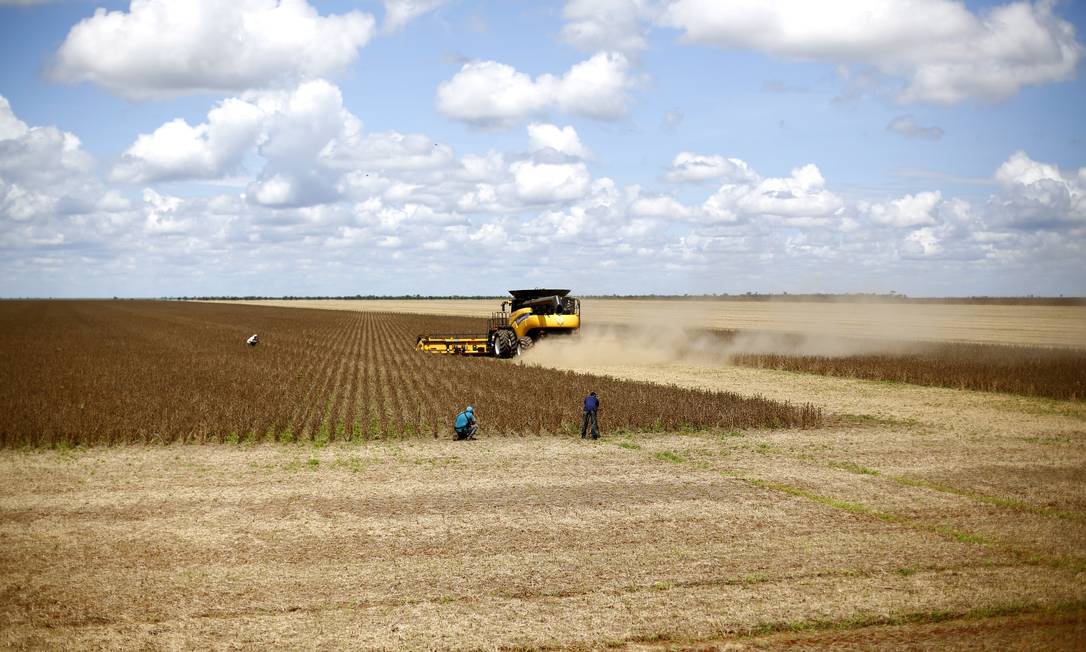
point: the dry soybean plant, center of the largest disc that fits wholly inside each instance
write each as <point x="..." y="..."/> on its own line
<point x="110" y="372"/>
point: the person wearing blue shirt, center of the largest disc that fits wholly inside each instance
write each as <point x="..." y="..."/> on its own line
<point x="466" y="424"/>
<point x="591" y="404"/>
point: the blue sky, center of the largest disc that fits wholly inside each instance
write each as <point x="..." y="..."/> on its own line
<point x="166" y="148"/>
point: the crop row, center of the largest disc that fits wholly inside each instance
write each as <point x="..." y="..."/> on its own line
<point x="105" y="372"/>
<point x="1050" y="372"/>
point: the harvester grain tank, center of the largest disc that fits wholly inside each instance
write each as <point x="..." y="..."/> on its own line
<point x="522" y="321"/>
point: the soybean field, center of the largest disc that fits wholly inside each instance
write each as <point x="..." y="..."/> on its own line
<point x="109" y="372"/>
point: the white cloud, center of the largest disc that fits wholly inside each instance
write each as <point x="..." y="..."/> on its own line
<point x="924" y="241"/>
<point x="11" y="127"/>
<point x="617" y="25"/>
<point x="906" y="126"/>
<point x="177" y="150"/>
<point x="161" y="215"/>
<point x="800" y="199"/>
<point x="389" y="150"/>
<point x="941" y="51"/>
<point x="1038" y="195"/>
<point x="312" y="148"/>
<point x="275" y="190"/>
<point x="400" y="12"/>
<point x="560" y="139"/>
<point x="19" y="204"/>
<point x="1021" y="170"/>
<point x="907" y="211"/>
<point x="492" y="94"/>
<point x="161" y="48"/>
<point x="38" y="155"/>
<point x="547" y="182"/>
<point x="596" y="88"/>
<point x="44" y="172"/>
<point x="660" y="206"/>
<point x="691" y="167"/>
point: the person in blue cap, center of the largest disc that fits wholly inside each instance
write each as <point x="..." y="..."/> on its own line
<point x="466" y="424"/>
<point x="591" y="404"/>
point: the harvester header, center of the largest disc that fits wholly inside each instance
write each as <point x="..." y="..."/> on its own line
<point x="522" y="321"/>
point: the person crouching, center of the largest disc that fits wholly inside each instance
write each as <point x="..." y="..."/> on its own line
<point x="466" y="424"/>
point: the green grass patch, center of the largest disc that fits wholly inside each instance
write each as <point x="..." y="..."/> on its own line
<point x="669" y="456"/>
<point x="852" y="468"/>
<point x="1006" y="503"/>
<point x="871" y="420"/>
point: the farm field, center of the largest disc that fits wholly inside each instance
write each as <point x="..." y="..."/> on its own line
<point x="1002" y="358"/>
<point x="1042" y="325"/>
<point x="102" y="372"/>
<point x="907" y="515"/>
<point x="955" y="519"/>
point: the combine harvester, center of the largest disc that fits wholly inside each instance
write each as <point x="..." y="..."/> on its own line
<point x="529" y="316"/>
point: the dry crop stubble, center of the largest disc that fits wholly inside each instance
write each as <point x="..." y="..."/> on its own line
<point x="533" y="541"/>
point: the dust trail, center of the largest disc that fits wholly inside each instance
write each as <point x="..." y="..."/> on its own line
<point x="670" y="340"/>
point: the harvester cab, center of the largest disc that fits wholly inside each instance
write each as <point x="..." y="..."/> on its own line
<point x="523" y="320"/>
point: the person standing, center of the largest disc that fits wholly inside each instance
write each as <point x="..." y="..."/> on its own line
<point x="466" y="424"/>
<point x="591" y="405"/>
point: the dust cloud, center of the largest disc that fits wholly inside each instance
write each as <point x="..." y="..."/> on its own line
<point x="682" y="336"/>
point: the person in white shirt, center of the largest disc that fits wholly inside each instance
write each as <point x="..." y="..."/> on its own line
<point x="252" y="341"/>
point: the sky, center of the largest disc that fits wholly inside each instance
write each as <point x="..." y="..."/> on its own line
<point x="340" y="147"/>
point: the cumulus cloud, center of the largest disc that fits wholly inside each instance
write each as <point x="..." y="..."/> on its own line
<point x="389" y="150"/>
<point x="661" y="206"/>
<point x="548" y="182"/>
<point x="492" y="94"/>
<point x="332" y="201"/>
<point x="161" y="216"/>
<point x="691" y="167"/>
<point x="1021" y="171"/>
<point x="906" y="126"/>
<point x="800" y="199"/>
<point x="310" y="146"/>
<point x="43" y="171"/>
<point x="616" y="25"/>
<point x="923" y="241"/>
<point x="908" y="211"/>
<point x="561" y="139"/>
<point x="1039" y="195"/>
<point x="161" y="48"/>
<point x="940" y="50"/>
<point x="177" y="150"/>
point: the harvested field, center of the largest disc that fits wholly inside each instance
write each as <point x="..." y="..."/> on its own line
<point x="887" y="526"/>
<point x="86" y="372"/>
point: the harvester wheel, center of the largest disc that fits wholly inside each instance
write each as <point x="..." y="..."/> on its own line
<point x="505" y="344"/>
<point x="526" y="343"/>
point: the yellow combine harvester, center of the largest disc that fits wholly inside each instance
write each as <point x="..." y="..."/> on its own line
<point x="523" y="320"/>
